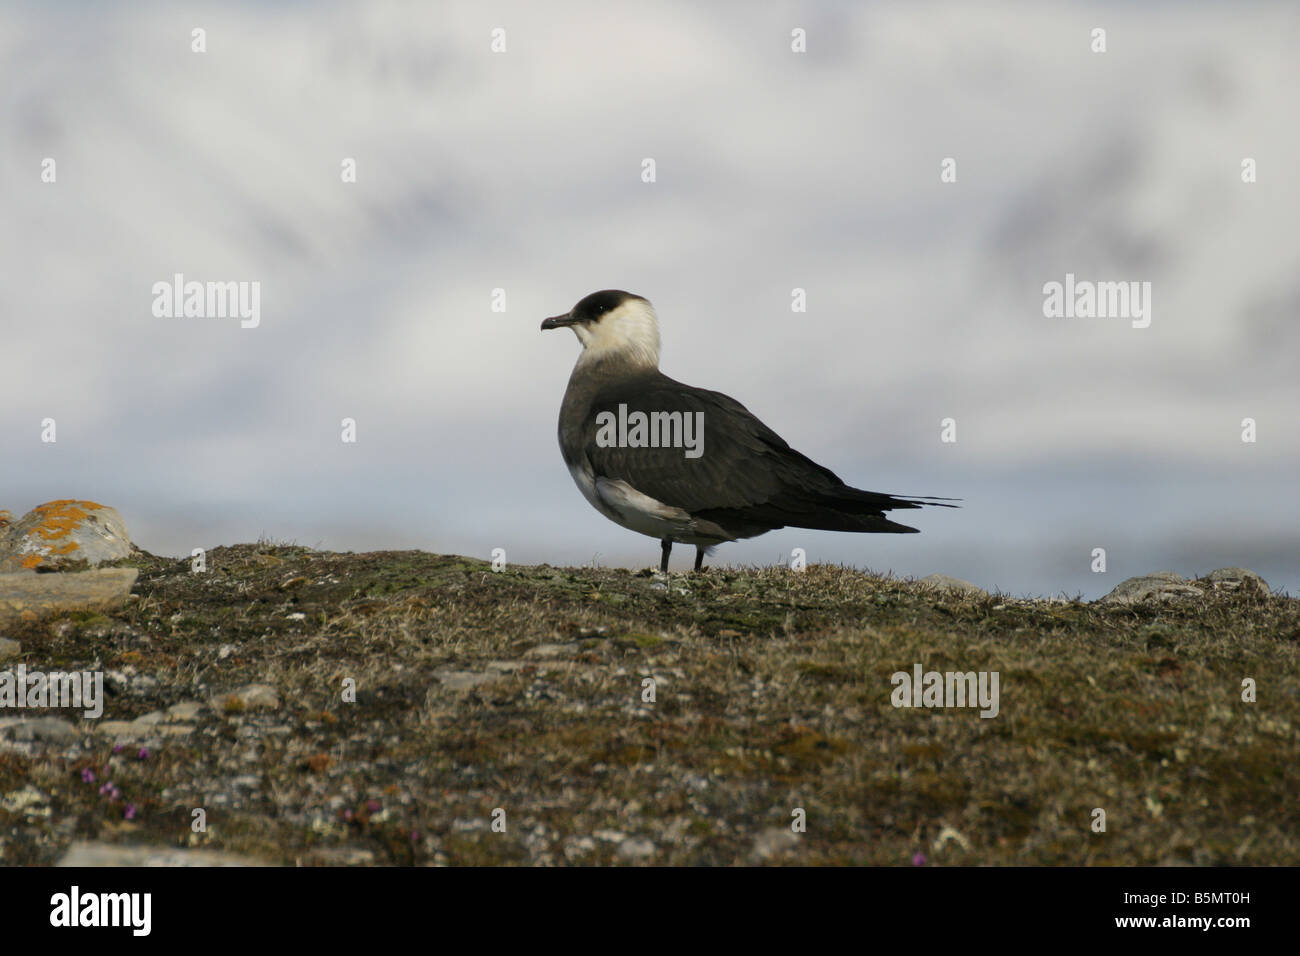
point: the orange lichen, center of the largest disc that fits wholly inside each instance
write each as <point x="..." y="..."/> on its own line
<point x="58" y="520"/>
<point x="60" y="517"/>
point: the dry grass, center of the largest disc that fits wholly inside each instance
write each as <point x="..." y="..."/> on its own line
<point x="772" y="693"/>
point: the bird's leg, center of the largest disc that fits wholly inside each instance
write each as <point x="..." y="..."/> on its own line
<point x="668" y="549"/>
<point x="699" y="557"/>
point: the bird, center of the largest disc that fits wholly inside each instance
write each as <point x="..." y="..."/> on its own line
<point x="685" y="464"/>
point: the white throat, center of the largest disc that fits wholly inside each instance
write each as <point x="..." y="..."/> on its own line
<point x="630" y="333"/>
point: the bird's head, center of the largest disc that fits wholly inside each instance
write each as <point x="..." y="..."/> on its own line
<point x="613" y="324"/>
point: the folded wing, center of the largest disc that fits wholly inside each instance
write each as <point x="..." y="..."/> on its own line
<point x="746" y="473"/>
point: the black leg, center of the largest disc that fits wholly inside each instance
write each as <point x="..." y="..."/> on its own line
<point x="668" y="549"/>
<point x="699" y="556"/>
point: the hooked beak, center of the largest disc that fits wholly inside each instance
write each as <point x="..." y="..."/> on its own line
<point x="558" y="321"/>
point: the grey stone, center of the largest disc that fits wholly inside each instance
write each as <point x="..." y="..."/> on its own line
<point x="462" y="680"/>
<point x="109" y="854"/>
<point x="1161" y="586"/>
<point x="340" y="856"/>
<point x="773" y="842"/>
<point x="9" y="648"/>
<point x="28" y="596"/>
<point x="550" y="650"/>
<point x="60" y="535"/>
<point x="121" y="729"/>
<point x="1239" y="580"/>
<point x="185" y="710"/>
<point x="174" y="730"/>
<point x="141" y="729"/>
<point x="50" y="730"/>
<point x="636" y="848"/>
<point x="249" y="697"/>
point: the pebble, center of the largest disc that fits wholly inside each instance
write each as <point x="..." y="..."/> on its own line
<point x="551" y="650"/>
<point x="185" y="710"/>
<point x="773" y="842"/>
<point x="463" y="680"/>
<point x="636" y="848"/>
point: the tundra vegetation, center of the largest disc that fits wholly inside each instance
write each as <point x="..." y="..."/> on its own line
<point x="519" y="698"/>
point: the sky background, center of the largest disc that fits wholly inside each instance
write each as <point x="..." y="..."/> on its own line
<point x="775" y="170"/>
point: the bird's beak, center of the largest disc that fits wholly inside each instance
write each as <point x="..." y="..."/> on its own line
<point x="558" y="321"/>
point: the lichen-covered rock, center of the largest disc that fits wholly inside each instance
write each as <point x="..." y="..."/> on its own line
<point x="1160" y="586"/>
<point x="27" y="596"/>
<point x="1168" y="586"/>
<point x="63" y="535"/>
<point x="1237" y="580"/>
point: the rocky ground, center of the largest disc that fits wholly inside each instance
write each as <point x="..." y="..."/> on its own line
<point x="501" y="718"/>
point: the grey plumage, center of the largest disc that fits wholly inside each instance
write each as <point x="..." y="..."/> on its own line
<point x="747" y="480"/>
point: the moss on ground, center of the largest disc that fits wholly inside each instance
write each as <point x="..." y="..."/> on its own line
<point x="521" y="691"/>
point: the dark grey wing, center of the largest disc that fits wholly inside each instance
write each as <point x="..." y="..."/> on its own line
<point x="746" y="473"/>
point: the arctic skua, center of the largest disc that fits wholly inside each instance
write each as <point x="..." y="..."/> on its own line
<point x="685" y="464"/>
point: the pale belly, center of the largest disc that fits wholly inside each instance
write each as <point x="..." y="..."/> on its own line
<point x="621" y="503"/>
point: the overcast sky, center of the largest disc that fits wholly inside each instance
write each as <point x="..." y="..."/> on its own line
<point x="774" y="170"/>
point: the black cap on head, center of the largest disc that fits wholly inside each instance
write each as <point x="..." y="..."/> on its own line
<point x="591" y="308"/>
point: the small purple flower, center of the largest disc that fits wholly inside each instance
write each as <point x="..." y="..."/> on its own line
<point x="373" y="806"/>
<point x="108" y="785"/>
<point x="87" y="775"/>
<point x="918" y="859"/>
<point x="129" y="813"/>
<point x="347" y="813"/>
<point x="143" y="753"/>
<point x="415" y="836"/>
<point x="118" y="748"/>
<point x="114" y="793"/>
